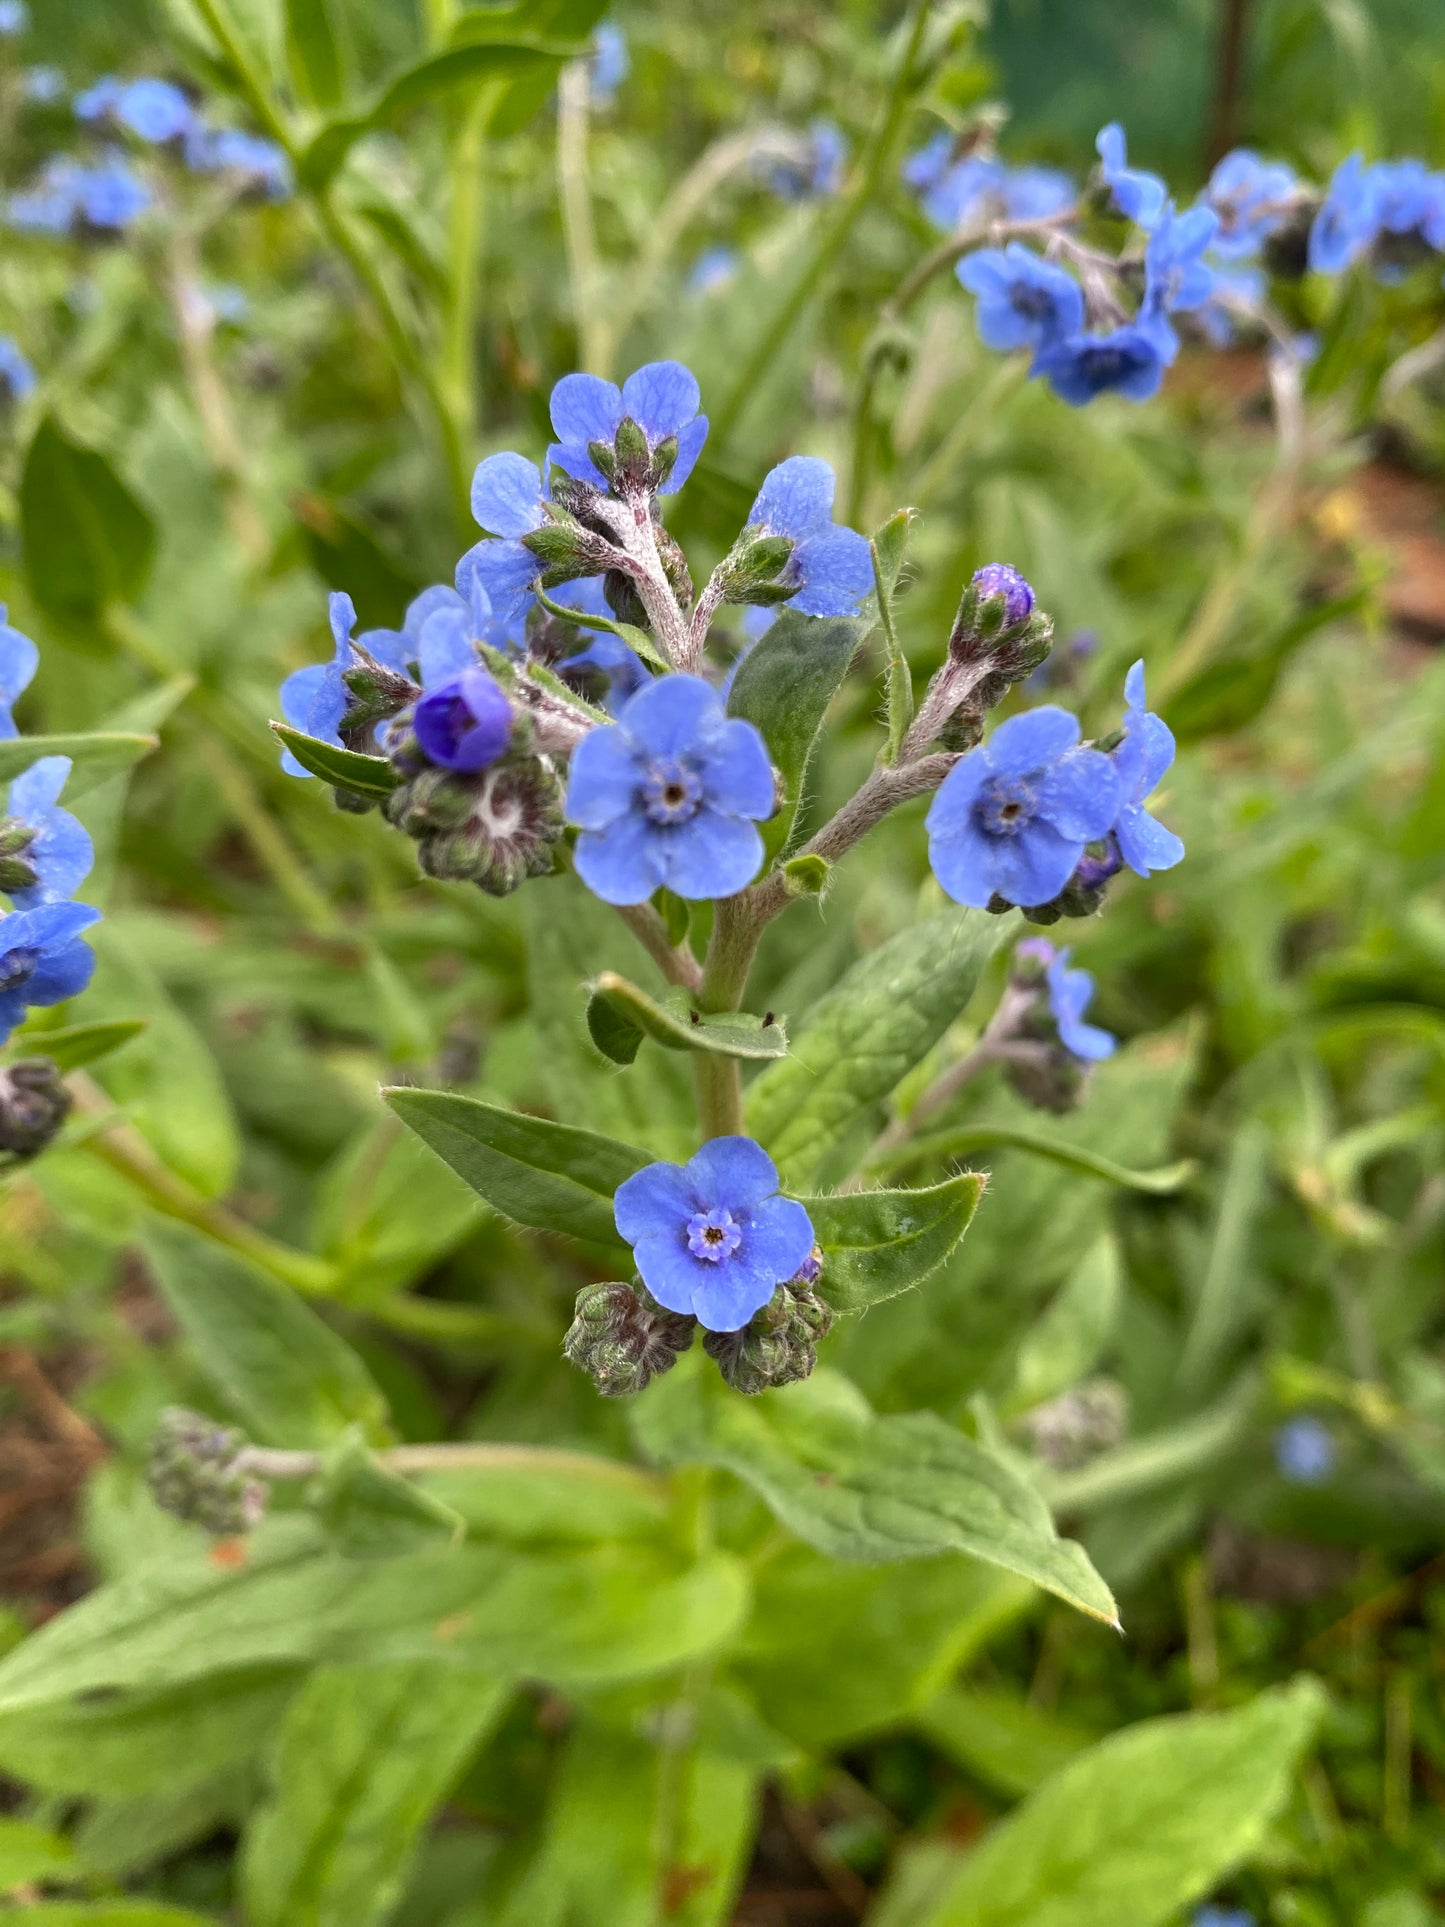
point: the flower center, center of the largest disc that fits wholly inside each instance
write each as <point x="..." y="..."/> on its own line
<point x="671" y="792"/>
<point x="713" y="1235"/>
<point x="1034" y="304"/>
<point x="18" y="966"/>
<point x="1004" y="808"/>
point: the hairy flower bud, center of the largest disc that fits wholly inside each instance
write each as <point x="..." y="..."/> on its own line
<point x="16" y="870"/>
<point x="494" y="827"/>
<point x="623" y="1339"/>
<point x="778" y="1345"/>
<point x="1079" y="1424"/>
<point x="197" y="1473"/>
<point x="34" y="1104"/>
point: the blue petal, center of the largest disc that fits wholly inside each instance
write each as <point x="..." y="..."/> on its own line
<point x="577" y="463"/>
<point x="62" y="856"/>
<point x="603" y="781"/>
<point x="444" y="647"/>
<point x="298" y="693"/>
<point x="420" y="608"/>
<point x="952" y="807"/>
<point x="655" y="1202"/>
<point x="836" y="565"/>
<point x="1144" y="843"/>
<point x="1033" y="867"/>
<point x="778" y="1239"/>
<point x="796" y="497"/>
<point x="63" y="971"/>
<point x="507" y="495"/>
<point x="737" y="772"/>
<point x="733" y="1172"/>
<point x="733" y="1294"/>
<point x="19" y="659"/>
<point x="675" y="1277"/>
<point x="662" y="398"/>
<point x="38" y="788"/>
<point x="585" y="409"/>
<point x="689" y="446"/>
<point x="1134" y="686"/>
<point x="709" y="856"/>
<point x="506" y="570"/>
<point x="619" y="863"/>
<point x="390" y="647"/>
<point x="53" y="925"/>
<point x="1031" y="741"/>
<point x="341" y="611"/>
<point x="667" y="717"/>
<point x="1080" y="795"/>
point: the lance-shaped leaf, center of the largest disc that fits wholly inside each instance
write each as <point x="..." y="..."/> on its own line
<point x="967" y="1140"/>
<point x="554" y="1177"/>
<point x="619" y="1016"/>
<point x="870" y="1030"/>
<point x="878" y="1243"/>
<point x="784" y="686"/>
<point x="314" y="53"/>
<point x="88" y="540"/>
<point x="93" y="758"/>
<point x="79" y="1044"/>
<point x="348" y="769"/>
<point x="857" y="1486"/>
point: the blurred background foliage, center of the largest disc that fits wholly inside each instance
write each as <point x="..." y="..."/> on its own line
<point x="1281" y="996"/>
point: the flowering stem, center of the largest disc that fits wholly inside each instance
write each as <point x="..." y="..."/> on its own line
<point x="675" y="961"/>
<point x="717" y="1081"/>
<point x="267" y="1462"/>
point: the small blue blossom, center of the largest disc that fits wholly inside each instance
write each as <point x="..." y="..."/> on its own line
<point x="999" y="579"/>
<point x="973" y="188"/>
<point x="1014" y="814"/>
<point x="1037" y="193"/>
<point x="1139" y="195"/>
<point x="442" y="630"/>
<point x="713" y="269"/>
<point x="258" y="166"/>
<point x="1409" y="204"/>
<point x="99" y="99"/>
<point x="1242" y="287"/>
<point x="509" y="500"/>
<point x="610" y="64"/>
<point x="60" y="851"/>
<point x="1212" y="1916"/>
<point x="662" y="399"/>
<point x="819" y="172"/>
<point x="19" y="659"/>
<point x="14" y="18"/>
<point x="712" y="1237"/>
<point x="831" y="568"/>
<point x="42" y="960"/>
<point x="464" y="723"/>
<point x="1023" y="302"/>
<point x="624" y="669"/>
<point x="1305" y="1451"/>
<point x="1347" y="221"/>
<point x="1069" y="994"/>
<point x="44" y="85"/>
<point x="152" y="110"/>
<point x="670" y="794"/>
<point x="69" y="198"/>
<point x="1176" y="275"/>
<point x="315" y="699"/>
<point x="17" y="377"/>
<point x="1146" y="752"/>
<point x="1128" y="361"/>
<point x="1252" y="198"/>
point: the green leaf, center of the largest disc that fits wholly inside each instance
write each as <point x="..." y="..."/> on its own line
<point x="470" y="66"/>
<point x="968" y="1139"/>
<point x="289" y="1379"/>
<point x="887" y="549"/>
<point x="75" y="1045"/>
<point x="369" y="1511"/>
<point x="348" y="769"/>
<point x="1065" y="1344"/>
<point x="94" y="758"/>
<point x="784" y="686"/>
<point x="314" y="53"/>
<point x="1220" y="1306"/>
<point x="619" y="1016"/>
<point x="29" y="1854"/>
<point x="554" y="1177"/>
<point x="638" y="640"/>
<point x="878" y="1243"/>
<point x="1000" y="1736"/>
<point x="867" y="1033"/>
<point x="88" y="540"/>
<point x="857" y="1486"/>
<point x="365" y="1756"/>
<point x="1139" y="1826"/>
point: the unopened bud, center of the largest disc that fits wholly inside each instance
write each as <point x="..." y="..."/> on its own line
<point x="806" y="876"/>
<point x="778" y="1345"/>
<point x="494" y="827"/>
<point x="998" y="579"/>
<point x="16" y="870"/>
<point x="623" y="1339"/>
<point x="197" y="1473"/>
<point x="34" y="1103"/>
<point x="1079" y="1424"/>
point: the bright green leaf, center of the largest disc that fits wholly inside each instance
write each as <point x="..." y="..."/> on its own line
<point x="87" y="539"/>
<point x="619" y="1016"/>
<point x="347" y="769"/>
<point x="75" y="1045"/>
<point x="94" y="758"/>
<point x="878" y="1243"/>
<point x="31" y="1854"/>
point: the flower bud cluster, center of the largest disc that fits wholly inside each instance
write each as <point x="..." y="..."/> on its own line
<point x="778" y="1345"/>
<point x="34" y="1103"/>
<point x="197" y="1474"/>
<point x="623" y="1339"/>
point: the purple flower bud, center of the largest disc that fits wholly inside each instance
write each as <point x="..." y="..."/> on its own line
<point x="997" y="578"/>
<point x="465" y="723"/>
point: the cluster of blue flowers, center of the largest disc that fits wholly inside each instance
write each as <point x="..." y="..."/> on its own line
<point x="1071" y="304"/>
<point x="106" y="195"/>
<point x="45" y="856"/>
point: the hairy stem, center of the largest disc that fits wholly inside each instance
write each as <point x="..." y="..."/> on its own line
<point x="675" y="961"/>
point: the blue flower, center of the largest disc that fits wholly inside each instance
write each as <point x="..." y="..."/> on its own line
<point x="14" y="18"/>
<point x="610" y="64"/>
<point x="68" y="197"/>
<point x="830" y="569"/>
<point x="464" y="723"/>
<point x="19" y="659"/>
<point x="1224" y="1917"/>
<point x="713" y="268"/>
<point x="1176" y="275"/>
<point x="153" y="110"/>
<point x="42" y="960"/>
<point x="1216" y="318"/>
<point x="822" y="175"/>
<point x="1409" y="206"/>
<point x="1023" y="302"/>
<point x="662" y="399"/>
<point x="1139" y="195"/>
<point x="1252" y="198"/>
<point x="1037" y="193"/>
<point x="258" y="166"/>
<point x="1347" y="221"/>
<point x="44" y="85"/>
<point x="1304" y="1450"/>
<point x="623" y="667"/>
<point x="509" y="499"/>
<point x="670" y="794"/>
<point x="99" y="100"/>
<point x="712" y="1237"/>
<point x="59" y="851"/>
<point x="17" y="377"/>
<point x="998" y="579"/>
<point x="1128" y="361"/>
<point x="1141" y="759"/>
<point x="315" y="699"/>
<point x="1013" y="815"/>
<point x="1069" y="993"/>
<point x="959" y="192"/>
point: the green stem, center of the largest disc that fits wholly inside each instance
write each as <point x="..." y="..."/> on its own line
<point x="834" y="236"/>
<point x="717" y="1081"/>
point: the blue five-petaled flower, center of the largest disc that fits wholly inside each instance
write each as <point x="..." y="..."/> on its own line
<point x="1023" y="301"/>
<point x="712" y="1237"/>
<point x="831" y="568"/>
<point x="1013" y="815"/>
<point x="42" y="960"/>
<point x="662" y="399"/>
<point x="670" y="795"/>
<point x="1069" y="993"/>
<point x="464" y="723"/>
<point x="59" y="851"/>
